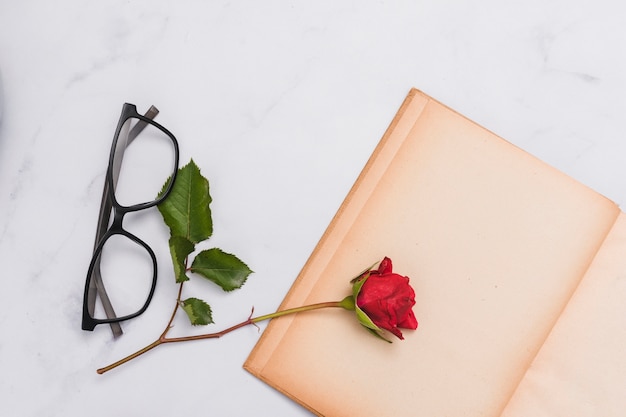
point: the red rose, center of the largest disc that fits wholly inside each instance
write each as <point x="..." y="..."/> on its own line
<point x="387" y="299"/>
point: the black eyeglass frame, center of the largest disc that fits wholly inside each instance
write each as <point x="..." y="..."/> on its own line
<point x="94" y="286"/>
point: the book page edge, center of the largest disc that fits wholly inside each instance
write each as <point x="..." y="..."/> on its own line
<point x="405" y="118"/>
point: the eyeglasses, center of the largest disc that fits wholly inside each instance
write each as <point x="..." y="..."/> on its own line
<point x="123" y="267"/>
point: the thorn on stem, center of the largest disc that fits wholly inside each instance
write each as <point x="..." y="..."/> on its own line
<point x="251" y="322"/>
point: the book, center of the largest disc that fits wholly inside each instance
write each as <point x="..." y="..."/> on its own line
<point x="520" y="280"/>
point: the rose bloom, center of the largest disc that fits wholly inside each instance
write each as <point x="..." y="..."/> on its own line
<point x="388" y="299"/>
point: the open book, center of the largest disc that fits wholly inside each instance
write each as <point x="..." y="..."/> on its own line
<point x="520" y="280"/>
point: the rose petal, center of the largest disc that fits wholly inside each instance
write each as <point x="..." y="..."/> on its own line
<point x="409" y="322"/>
<point x="385" y="266"/>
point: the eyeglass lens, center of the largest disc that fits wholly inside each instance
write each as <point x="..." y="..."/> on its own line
<point x="126" y="268"/>
<point x="145" y="166"/>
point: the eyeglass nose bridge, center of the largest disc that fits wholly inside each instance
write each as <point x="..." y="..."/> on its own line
<point x="118" y="218"/>
<point x="94" y="278"/>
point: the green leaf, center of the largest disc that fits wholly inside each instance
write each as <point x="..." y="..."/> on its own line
<point x="362" y="274"/>
<point x="360" y="314"/>
<point x="180" y="248"/>
<point x="222" y="268"/>
<point x="378" y="335"/>
<point x="358" y="283"/>
<point x="198" y="311"/>
<point x="348" y="303"/>
<point x="365" y="320"/>
<point x="369" y="324"/>
<point x="186" y="209"/>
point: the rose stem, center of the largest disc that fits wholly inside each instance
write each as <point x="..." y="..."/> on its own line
<point x="250" y="320"/>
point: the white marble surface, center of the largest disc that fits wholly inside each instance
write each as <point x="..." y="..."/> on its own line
<point x="280" y="103"/>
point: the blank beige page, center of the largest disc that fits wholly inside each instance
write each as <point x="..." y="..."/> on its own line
<point x="495" y="243"/>
<point x="581" y="369"/>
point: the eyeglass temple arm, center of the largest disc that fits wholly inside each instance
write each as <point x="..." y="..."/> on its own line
<point x="140" y="125"/>
<point x="103" y="222"/>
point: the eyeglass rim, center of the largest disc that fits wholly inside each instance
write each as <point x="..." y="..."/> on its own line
<point x="89" y="322"/>
<point x="130" y="111"/>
